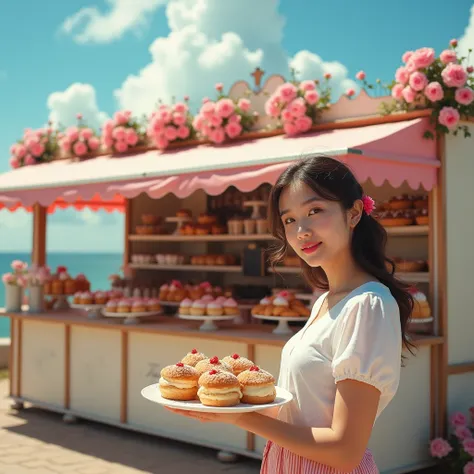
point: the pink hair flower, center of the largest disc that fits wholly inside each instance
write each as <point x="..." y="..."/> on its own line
<point x="369" y="204"/>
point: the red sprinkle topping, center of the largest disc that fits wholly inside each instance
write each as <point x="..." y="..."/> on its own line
<point x="214" y="360"/>
<point x="254" y="368"/>
<point x="194" y="351"/>
<point x="212" y="372"/>
<point x="179" y="364"/>
<point x="235" y="356"/>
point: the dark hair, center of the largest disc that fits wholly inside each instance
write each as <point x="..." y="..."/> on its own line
<point x="333" y="180"/>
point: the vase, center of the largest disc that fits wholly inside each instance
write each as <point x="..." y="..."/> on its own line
<point x="36" y="299"/>
<point x="13" y="298"/>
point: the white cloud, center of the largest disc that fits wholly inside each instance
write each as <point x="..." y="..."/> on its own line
<point x="214" y="41"/>
<point x="89" y="25"/>
<point x="466" y="42"/>
<point x="77" y="98"/>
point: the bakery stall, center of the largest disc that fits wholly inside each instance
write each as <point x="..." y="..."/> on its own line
<point x="195" y="223"/>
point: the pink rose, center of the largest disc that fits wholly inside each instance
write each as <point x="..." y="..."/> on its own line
<point x="434" y="91"/>
<point x="469" y="468"/>
<point x="205" y="100"/>
<point x="86" y="133"/>
<point x="162" y="143"/>
<point x="217" y="135"/>
<point x="186" y="98"/>
<point x="170" y="133"/>
<point x="120" y="118"/>
<point x="79" y="116"/>
<point x="290" y="128"/>
<point x="208" y="109"/>
<point x="272" y="106"/>
<point x="306" y="86"/>
<point x="361" y="75"/>
<point x="311" y="97"/>
<point x="181" y="108"/>
<point x="13" y="149"/>
<point x="286" y="115"/>
<point x="407" y="56"/>
<point x="303" y="124"/>
<point x="119" y="133"/>
<point x="457" y="418"/>
<point x="402" y="75"/>
<point x="244" y="105"/>
<point x="464" y="96"/>
<point x="287" y="91"/>
<point x="453" y="42"/>
<point x="14" y="163"/>
<point x="21" y="281"/>
<point x="79" y="148"/>
<point x="454" y="75"/>
<point x="462" y="432"/>
<point x="219" y="87"/>
<point x="65" y="145"/>
<point x="8" y="278"/>
<point x="131" y="137"/>
<point x="449" y="117"/>
<point x="327" y="75"/>
<point x="108" y="126"/>
<point x="19" y="266"/>
<point x="297" y="107"/>
<point x="468" y="445"/>
<point x="94" y="143"/>
<point x="72" y="133"/>
<point x="164" y="114"/>
<point x="108" y="142"/>
<point x="408" y="94"/>
<point x="29" y="160"/>
<point x="350" y="92"/>
<point x="397" y="90"/>
<point x="236" y="118"/>
<point x="121" y="146"/>
<point x="37" y="149"/>
<point x="179" y="119"/>
<point x="233" y="129"/>
<point x="157" y="125"/>
<point x="448" y="56"/>
<point x="216" y="121"/>
<point x="418" y="81"/>
<point x="411" y="66"/>
<point x="440" y="448"/>
<point x="470" y="69"/>
<point x="183" y="132"/>
<point x="20" y="150"/>
<point x="225" y="108"/>
<point x="423" y="57"/>
<point x="197" y="122"/>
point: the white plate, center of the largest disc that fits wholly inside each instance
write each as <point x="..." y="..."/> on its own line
<point x="208" y="321"/>
<point x="152" y="393"/>
<point x="282" y="328"/>
<point x="421" y="320"/>
<point x="131" y="315"/>
<point x="86" y="306"/>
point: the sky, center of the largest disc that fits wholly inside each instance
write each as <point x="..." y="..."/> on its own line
<point x="94" y="57"/>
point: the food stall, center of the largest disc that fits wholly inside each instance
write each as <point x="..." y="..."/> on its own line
<point x="196" y="214"/>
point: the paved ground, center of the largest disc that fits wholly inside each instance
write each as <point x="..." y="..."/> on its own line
<point x="38" y="442"/>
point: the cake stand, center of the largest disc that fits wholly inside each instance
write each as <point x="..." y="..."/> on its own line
<point x="93" y="310"/>
<point x="131" y="318"/>
<point x="208" y="324"/>
<point x="256" y="208"/>
<point x="282" y="328"/>
<point x="62" y="301"/>
<point x="180" y="221"/>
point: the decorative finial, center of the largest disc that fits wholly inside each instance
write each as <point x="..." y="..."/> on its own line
<point x="257" y="76"/>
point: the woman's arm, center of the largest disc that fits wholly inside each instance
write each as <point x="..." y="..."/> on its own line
<point x="341" y="446"/>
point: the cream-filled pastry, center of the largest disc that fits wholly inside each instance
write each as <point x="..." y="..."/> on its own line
<point x="179" y="382"/>
<point x="258" y="386"/>
<point x="219" y="388"/>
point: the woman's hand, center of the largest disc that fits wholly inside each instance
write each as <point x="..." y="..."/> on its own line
<point x="206" y="417"/>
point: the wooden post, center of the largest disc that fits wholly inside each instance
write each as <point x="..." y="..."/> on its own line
<point x="38" y="254"/>
<point x="128" y="228"/>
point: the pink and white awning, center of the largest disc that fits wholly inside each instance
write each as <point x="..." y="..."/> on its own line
<point x="393" y="152"/>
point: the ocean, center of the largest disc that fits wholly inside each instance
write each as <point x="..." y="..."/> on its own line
<point x="96" y="266"/>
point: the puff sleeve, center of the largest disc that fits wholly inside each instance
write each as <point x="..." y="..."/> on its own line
<point x="367" y="343"/>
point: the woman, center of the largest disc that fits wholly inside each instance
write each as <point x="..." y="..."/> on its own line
<point x="343" y="366"/>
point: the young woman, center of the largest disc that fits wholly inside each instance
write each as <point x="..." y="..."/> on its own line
<point x="343" y="367"/>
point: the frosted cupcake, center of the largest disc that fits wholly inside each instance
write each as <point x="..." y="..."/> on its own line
<point x="207" y="298"/>
<point x="221" y="300"/>
<point x="153" y="305"/>
<point x="215" y="309"/>
<point x="77" y="297"/>
<point x="111" y="306"/>
<point x="123" y="306"/>
<point x="138" y="306"/>
<point x="86" y="297"/>
<point x="198" y="308"/>
<point x="100" y="297"/>
<point x="164" y="289"/>
<point x="185" y="306"/>
<point x="230" y="307"/>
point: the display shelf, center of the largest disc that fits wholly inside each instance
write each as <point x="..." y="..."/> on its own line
<point x="189" y="268"/>
<point x="408" y="231"/>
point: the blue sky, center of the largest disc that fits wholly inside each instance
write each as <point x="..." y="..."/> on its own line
<point x="101" y="55"/>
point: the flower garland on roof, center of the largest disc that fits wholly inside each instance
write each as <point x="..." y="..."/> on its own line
<point x="80" y="140"/>
<point x="122" y="133"/>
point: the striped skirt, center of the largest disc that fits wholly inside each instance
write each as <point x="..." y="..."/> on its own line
<point x="277" y="460"/>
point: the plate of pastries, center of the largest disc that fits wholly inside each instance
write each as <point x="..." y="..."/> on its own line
<point x="403" y="210"/>
<point x="283" y="304"/>
<point x="233" y="384"/>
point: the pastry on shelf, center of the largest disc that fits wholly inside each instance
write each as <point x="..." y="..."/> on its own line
<point x="420" y="202"/>
<point x="185" y="306"/>
<point x="422" y="217"/>
<point x="206" y="219"/>
<point x="145" y="229"/>
<point x="396" y="218"/>
<point x="82" y="283"/>
<point x="153" y="304"/>
<point x="282" y="304"/>
<point x="184" y="213"/>
<point x="401" y="202"/>
<point x="421" y="309"/>
<point x="111" y="306"/>
<point x="150" y="219"/>
<point x="407" y="265"/>
<point x="217" y="229"/>
<point x="140" y="258"/>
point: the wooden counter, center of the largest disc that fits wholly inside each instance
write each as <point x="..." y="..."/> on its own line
<point x="95" y="369"/>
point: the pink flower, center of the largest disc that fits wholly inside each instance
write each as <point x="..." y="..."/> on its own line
<point x="131" y="137"/>
<point x="37" y="149"/>
<point x="311" y="97"/>
<point x="361" y="75"/>
<point x="108" y="125"/>
<point x="408" y="94"/>
<point x="244" y="105"/>
<point x="434" y="91"/>
<point x="72" y="133"/>
<point x="297" y="107"/>
<point x="65" y="145"/>
<point x="290" y="128"/>
<point x="271" y="108"/>
<point x="8" y="278"/>
<point x="327" y="75"/>
<point x="233" y="129"/>
<point x="205" y="100"/>
<point x="397" y="90"/>
<point x="183" y="132"/>
<point x="179" y="119"/>
<point x="411" y="66"/>
<point x="217" y="135"/>
<point x="440" y="448"/>
<point x="402" y="75"/>
<point x="449" y="117"/>
<point x="418" y="81"/>
<point x="286" y="115"/>
<point x="94" y="143"/>
<point x="470" y="69"/>
<point x="216" y="121"/>
<point x="350" y="92"/>
<point x="197" y="122"/>
<point x="236" y="118"/>
<point x="469" y="468"/>
<point x="119" y="134"/>
<point x="457" y="418"/>
<point x="423" y="57"/>
<point x="454" y="75"/>
<point x="14" y="163"/>
<point x="208" y="109"/>
<point x="170" y="133"/>
<point x="181" y="108"/>
<point x="108" y="142"/>
<point x="164" y="114"/>
<point x="86" y="133"/>
<point x="448" y="56"/>
<point x="306" y="86"/>
<point x="19" y="266"/>
<point x="303" y="124"/>
<point x="407" y="56"/>
<point x="13" y="149"/>
<point x="186" y="98"/>
<point x="21" y="281"/>
<point x="121" y="146"/>
<point x="453" y="43"/>
<point x="79" y="116"/>
<point x="219" y="87"/>
<point x="225" y="108"/>
<point x="287" y="91"/>
<point x="462" y="432"/>
<point x="20" y="150"/>
<point x="29" y="160"/>
<point x="121" y="118"/>
<point x="162" y="143"/>
<point x="79" y="148"/>
<point x="464" y="96"/>
<point x="468" y="445"/>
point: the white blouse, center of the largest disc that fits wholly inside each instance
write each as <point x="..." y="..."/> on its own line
<point x="359" y="338"/>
